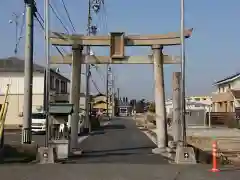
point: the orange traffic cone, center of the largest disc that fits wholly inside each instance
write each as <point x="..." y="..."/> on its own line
<point x="214" y="156"/>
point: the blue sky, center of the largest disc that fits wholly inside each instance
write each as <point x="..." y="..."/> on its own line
<point x="212" y="52"/>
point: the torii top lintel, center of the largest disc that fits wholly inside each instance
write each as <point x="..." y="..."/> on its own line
<point x="169" y="39"/>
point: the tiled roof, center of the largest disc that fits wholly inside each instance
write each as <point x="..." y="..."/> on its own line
<point x="228" y="79"/>
<point x="61" y="108"/>
<point x="13" y="64"/>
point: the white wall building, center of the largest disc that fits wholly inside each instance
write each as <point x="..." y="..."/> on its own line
<point x="12" y="72"/>
<point x="192" y="102"/>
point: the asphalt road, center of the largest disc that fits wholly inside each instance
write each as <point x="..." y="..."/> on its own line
<point x="118" y="151"/>
<point x="119" y="142"/>
<point x="15" y="138"/>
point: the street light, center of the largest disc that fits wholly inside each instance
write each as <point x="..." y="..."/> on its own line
<point x="183" y="103"/>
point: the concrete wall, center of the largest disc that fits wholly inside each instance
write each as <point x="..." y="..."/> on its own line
<point x="16" y="81"/>
<point x="15" y="108"/>
<point x="195" y="117"/>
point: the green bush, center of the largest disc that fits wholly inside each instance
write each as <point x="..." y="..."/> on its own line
<point x="151" y="108"/>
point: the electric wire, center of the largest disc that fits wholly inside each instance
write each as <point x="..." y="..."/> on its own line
<point x="57" y="16"/>
<point x="41" y="24"/>
<point x="95" y="85"/>
<point x="68" y="15"/>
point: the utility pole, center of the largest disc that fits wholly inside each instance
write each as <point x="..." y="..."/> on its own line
<point x="91" y="30"/>
<point x="28" y="72"/>
<point x="183" y="103"/>
<point x="113" y="95"/>
<point x="184" y="154"/>
<point x="88" y="70"/>
<point x="47" y="71"/>
<point x="107" y="90"/>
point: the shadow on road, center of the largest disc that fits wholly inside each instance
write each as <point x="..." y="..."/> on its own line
<point x="98" y="132"/>
<point x="114" y="126"/>
<point x="227" y="169"/>
<point x="17" y="154"/>
<point x="121" y="149"/>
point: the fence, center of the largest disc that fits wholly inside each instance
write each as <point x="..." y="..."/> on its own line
<point x="229" y="119"/>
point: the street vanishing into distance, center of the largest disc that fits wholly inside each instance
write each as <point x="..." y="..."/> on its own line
<point x="125" y="90"/>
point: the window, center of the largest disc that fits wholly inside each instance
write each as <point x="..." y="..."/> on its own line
<point x="63" y="87"/>
<point x="52" y="82"/>
<point x="188" y="113"/>
<point x="38" y="116"/>
<point x="57" y="85"/>
<point x="123" y="110"/>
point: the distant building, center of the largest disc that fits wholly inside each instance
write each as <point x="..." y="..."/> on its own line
<point x="12" y="72"/>
<point x="124" y="108"/>
<point x="193" y="103"/>
<point x="99" y="102"/>
<point x="226" y="98"/>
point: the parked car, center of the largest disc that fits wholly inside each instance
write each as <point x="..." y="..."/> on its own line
<point x="38" y="122"/>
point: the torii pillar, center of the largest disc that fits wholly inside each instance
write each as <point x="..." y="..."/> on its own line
<point x="160" y="108"/>
<point x="75" y="94"/>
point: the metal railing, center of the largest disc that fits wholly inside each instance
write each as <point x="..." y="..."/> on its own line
<point x="3" y="114"/>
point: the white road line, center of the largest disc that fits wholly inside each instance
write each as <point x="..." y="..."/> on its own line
<point x="106" y="123"/>
<point x="151" y="137"/>
<point x="82" y="138"/>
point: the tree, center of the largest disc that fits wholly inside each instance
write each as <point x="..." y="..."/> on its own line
<point x="140" y="106"/>
<point x="132" y="102"/>
<point x="151" y="107"/>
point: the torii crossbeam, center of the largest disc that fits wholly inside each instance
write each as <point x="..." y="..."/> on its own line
<point x="92" y="59"/>
<point x="169" y="39"/>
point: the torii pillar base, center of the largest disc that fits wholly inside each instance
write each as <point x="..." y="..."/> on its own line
<point x="185" y="155"/>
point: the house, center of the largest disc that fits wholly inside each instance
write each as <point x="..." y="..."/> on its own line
<point x="99" y="101"/>
<point x="12" y="72"/>
<point x="227" y="95"/>
<point x="192" y="103"/>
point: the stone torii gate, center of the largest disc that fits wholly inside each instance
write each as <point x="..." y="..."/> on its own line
<point x="117" y="42"/>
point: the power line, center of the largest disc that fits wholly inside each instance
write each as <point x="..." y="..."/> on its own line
<point x="41" y="24"/>
<point x="95" y="85"/>
<point x="68" y="15"/>
<point x="99" y="72"/>
<point x="21" y="31"/>
<point x="55" y="13"/>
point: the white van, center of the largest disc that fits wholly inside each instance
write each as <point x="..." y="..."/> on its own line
<point x="38" y="122"/>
